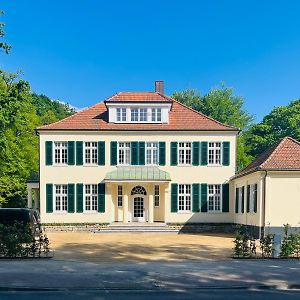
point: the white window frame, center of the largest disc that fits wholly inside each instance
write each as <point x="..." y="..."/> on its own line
<point x="185" y="150"/>
<point x="93" y="194"/>
<point x="128" y="148"/>
<point x="120" y="195"/>
<point x="134" y="114"/>
<point x="121" y="114"/>
<point x="215" y="197"/>
<point x="152" y="146"/>
<point x="251" y="200"/>
<point x="92" y="149"/>
<point x="240" y="188"/>
<point x="62" y="196"/>
<point x="214" y="148"/>
<point x="187" y="198"/>
<point x="156" y="195"/>
<point x="61" y="148"/>
<point x="156" y="114"/>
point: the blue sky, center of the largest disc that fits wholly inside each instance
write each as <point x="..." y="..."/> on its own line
<point x="83" y="51"/>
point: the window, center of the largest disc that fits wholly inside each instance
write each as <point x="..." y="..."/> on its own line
<point x="143" y="114"/>
<point x="152" y="153"/>
<point x="124" y="153"/>
<point x="120" y="196"/>
<point x="239" y="201"/>
<point x="184" y="197"/>
<point x="156" y="195"/>
<point x="61" y="153"/>
<point x="156" y="114"/>
<point x="135" y="114"/>
<point x="214" y="153"/>
<point x="253" y="197"/>
<point x="214" y="197"/>
<point x="90" y="153"/>
<point x="61" y="197"/>
<point x="185" y="153"/>
<point x="121" y="114"/>
<point x="91" y="197"/>
<point x="138" y="190"/>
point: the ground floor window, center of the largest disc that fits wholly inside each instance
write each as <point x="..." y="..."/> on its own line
<point x="156" y="195"/>
<point x="214" y="197"/>
<point x="239" y="201"/>
<point x="120" y="196"/>
<point x="253" y="197"/>
<point x="184" y="197"/>
<point x="61" y="197"/>
<point x="91" y="197"/>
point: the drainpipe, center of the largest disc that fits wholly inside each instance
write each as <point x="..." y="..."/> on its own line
<point x="264" y="202"/>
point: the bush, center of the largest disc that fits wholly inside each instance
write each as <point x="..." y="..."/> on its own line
<point x="290" y="245"/>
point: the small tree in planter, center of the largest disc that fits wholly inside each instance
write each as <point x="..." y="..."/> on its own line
<point x="287" y="245"/>
<point x="267" y="245"/>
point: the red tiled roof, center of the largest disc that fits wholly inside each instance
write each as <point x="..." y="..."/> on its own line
<point x="181" y="117"/>
<point x="138" y="97"/>
<point x="284" y="155"/>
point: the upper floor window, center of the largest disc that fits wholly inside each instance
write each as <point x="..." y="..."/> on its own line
<point x="185" y="153"/>
<point x="214" y="197"/>
<point x="152" y="153"/>
<point x="123" y="153"/>
<point x="156" y="114"/>
<point x="139" y="115"/>
<point x="121" y="114"/>
<point x="214" y="153"/>
<point x="90" y="153"/>
<point x="184" y="197"/>
<point x="91" y="197"/>
<point x="61" y="197"/>
<point x="61" y="153"/>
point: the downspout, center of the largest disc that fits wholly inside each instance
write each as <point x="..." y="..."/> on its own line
<point x="263" y="221"/>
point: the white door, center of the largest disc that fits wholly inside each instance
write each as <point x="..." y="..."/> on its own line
<point x="138" y="207"/>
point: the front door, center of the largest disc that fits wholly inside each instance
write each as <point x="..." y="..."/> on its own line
<point x="138" y="209"/>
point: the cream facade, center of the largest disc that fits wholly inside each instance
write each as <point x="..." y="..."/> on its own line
<point x="113" y="211"/>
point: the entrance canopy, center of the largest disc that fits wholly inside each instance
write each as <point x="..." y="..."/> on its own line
<point x="137" y="173"/>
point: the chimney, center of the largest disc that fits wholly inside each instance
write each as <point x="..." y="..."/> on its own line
<point x="159" y="86"/>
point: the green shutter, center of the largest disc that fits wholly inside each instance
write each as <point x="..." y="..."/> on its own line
<point x="71" y="198"/>
<point x="196" y="197"/>
<point x="162" y="153"/>
<point x="49" y="155"/>
<point x="204" y="197"/>
<point x="225" y="199"/>
<point x="49" y="198"/>
<point x="79" y="153"/>
<point x="248" y="198"/>
<point x="134" y="153"/>
<point x="79" y="197"/>
<point x="113" y="153"/>
<point x="71" y="153"/>
<point x="174" y="197"/>
<point x="101" y="153"/>
<point x="101" y="197"/>
<point x="141" y="153"/>
<point x="236" y="200"/>
<point x="174" y="155"/>
<point x="226" y="154"/>
<point x="255" y="198"/>
<point x="196" y="153"/>
<point x="204" y="151"/>
<point x="243" y="199"/>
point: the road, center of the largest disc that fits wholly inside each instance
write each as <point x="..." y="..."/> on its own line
<point x="230" y="279"/>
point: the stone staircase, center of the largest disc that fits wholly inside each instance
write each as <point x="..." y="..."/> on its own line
<point x="137" y="228"/>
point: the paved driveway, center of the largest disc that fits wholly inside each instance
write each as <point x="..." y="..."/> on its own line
<point x="139" y="247"/>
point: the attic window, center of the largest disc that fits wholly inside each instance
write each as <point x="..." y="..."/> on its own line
<point x="139" y="115"/>
<point x="121" y="114"/>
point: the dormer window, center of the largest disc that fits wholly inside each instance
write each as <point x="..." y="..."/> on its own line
<point x="156" y="114"/>
<point x="139" y="115"/>
<point x="121" y="114"/>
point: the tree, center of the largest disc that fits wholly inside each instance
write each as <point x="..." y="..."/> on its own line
<point x="222" y="105"/>
<point x="282" y="121"/>
<point x="3" y="45"/>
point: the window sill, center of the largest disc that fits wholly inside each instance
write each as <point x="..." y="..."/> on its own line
<point x="215" y="166"/>
<point x="91" y="165"/>
<point x="90" y="212"/>
<point x="184" y="165"/>
<point x="214" y="212"/>
<point x="60" y="212"/>
<point x="184" y="212"/>
<point x="62" y="165"/>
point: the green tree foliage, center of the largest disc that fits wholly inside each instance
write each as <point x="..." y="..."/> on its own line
<point x="222" y="105"/>
<point x="21" y="112"/>
<point x="3" y="45"/>
<point x="282" y="121"/>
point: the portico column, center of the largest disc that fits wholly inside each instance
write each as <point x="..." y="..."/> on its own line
<point x="151" y="208"/>
<point x="29" y="197"/>
<point x="125" y="208"/>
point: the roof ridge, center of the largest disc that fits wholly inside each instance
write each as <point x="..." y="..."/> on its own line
<point x="203" y="115"/>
